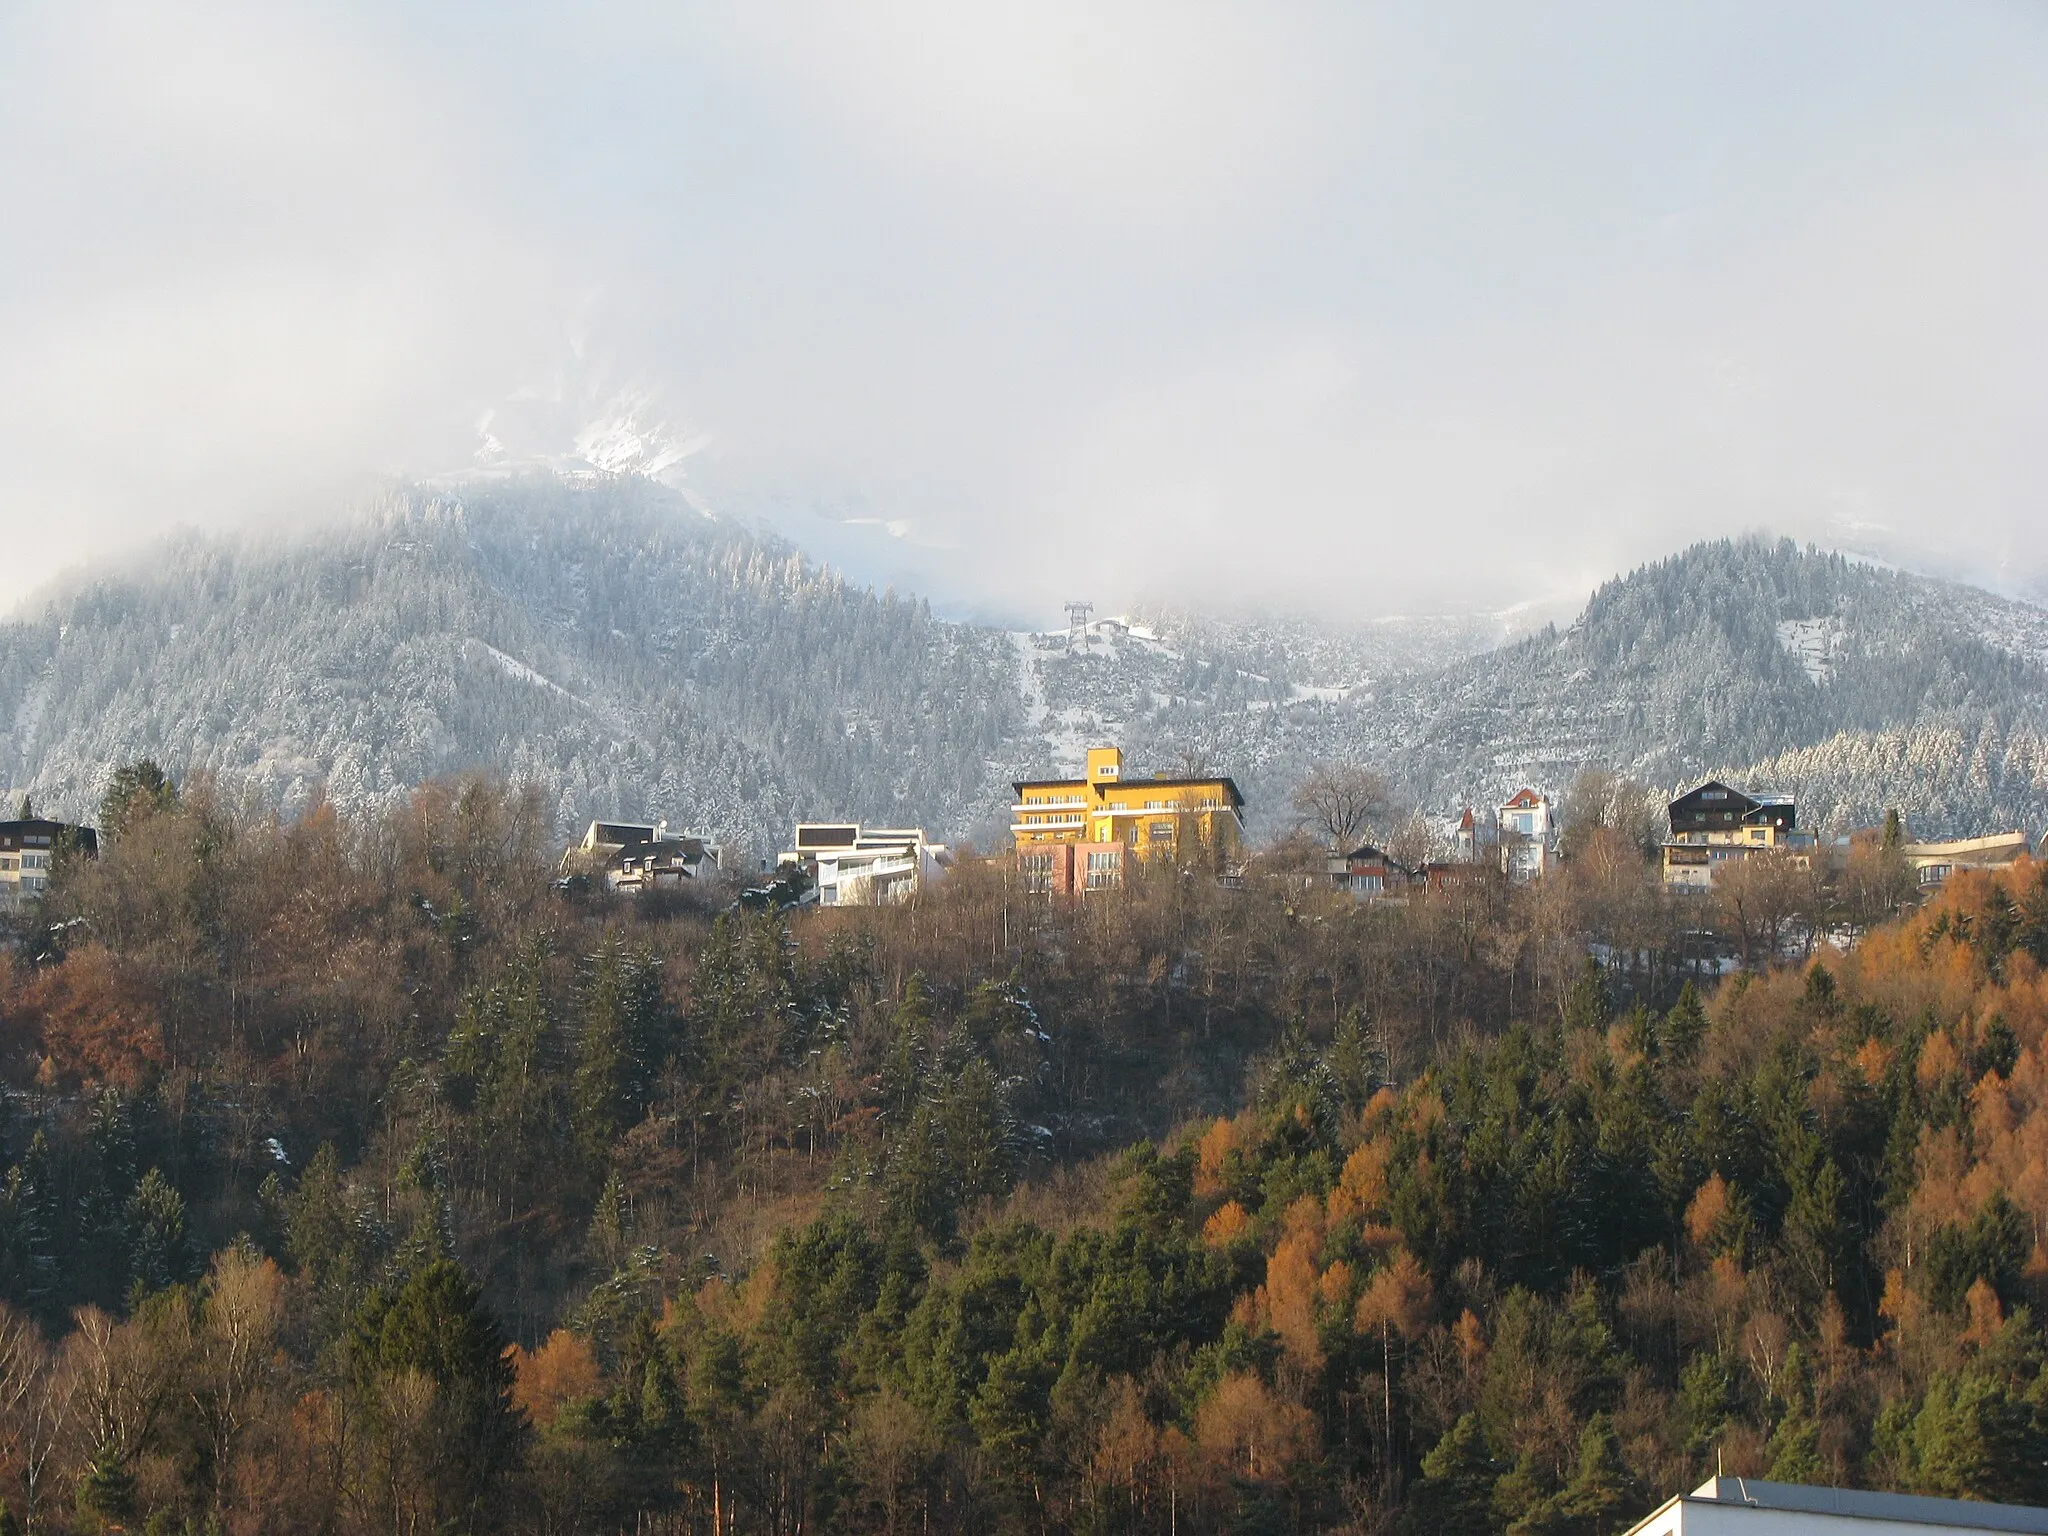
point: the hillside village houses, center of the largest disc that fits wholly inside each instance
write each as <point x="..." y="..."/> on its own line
<point x="631" y="857"/>
<point x="1073" y="835"/>
<point x="1714" y="825"/>
<point x="1371" y="874"/>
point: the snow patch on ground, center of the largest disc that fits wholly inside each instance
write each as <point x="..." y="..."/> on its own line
<point x="518" y="670"/>
<point x="1814" y="643"/>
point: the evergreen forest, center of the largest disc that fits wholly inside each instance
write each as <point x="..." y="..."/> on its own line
<point x="356" y="1176"/>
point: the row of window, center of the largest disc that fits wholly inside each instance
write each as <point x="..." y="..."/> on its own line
<point x="1103" y="870"/>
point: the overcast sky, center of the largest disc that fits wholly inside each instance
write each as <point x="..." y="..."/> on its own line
<point x="1359" y="309"/>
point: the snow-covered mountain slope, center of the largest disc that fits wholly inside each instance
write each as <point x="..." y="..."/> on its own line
<point x="598" y="636"/>
<point x="599" y="639"/>
<point x="1745" y="653"/>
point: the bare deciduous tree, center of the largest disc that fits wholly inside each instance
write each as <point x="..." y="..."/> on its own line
<point x="126" y="1374"/>
<point x="1758" y="899"/>
<point x="36" y="1393"/>
<point x="239" y="1319"/>
<point x="1414" y="842"/>
<point x="1601" y="799"/>
<point x="1342" y="802"/>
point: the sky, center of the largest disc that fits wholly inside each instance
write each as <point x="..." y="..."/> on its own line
<point x="1349" y="310"/>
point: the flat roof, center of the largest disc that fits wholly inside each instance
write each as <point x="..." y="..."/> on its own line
<point x="1856" y="1503"/>
<point x="1967" y="844"/>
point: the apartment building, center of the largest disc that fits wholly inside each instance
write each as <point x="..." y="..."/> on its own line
<point x="1071" y="869"/>
<point x="26" y="848"/>
<point x="852" y="865"/>
<point x="1149" y="817"/>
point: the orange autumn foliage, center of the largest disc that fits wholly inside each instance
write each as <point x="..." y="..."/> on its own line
<point x="560" y="1371"/>
<point x="1226" y="1226"/>
<point x="1288" y="1299"/>
<point x="1708" y="1208"/>
<point x="1249" y="1432"/>
<point x="91" y="1017"/>
<point x="1397" y="1299"/>
<point x="1365" y="1175"/>
<point x="1987" y="1317"/>
<point x="1336" y="1283"/>
<point x="1217" y="1143"/>
<point x="1939" y="1059"/>
<point x="1471" y="1338"/>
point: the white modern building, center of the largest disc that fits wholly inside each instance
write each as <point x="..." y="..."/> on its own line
<point x="1739" y="1506"/>
<point x="852" y="865"/>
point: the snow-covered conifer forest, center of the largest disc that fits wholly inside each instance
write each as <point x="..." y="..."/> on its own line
<point x="635" y="658"/>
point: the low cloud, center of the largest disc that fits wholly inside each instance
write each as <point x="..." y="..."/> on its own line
<point x="1351" y="310"/>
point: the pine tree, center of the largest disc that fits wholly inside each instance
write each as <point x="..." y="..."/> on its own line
<point x="1455" y="1496"/>
<point x="157" y="1257"/>
<point x="618" y="1043"/>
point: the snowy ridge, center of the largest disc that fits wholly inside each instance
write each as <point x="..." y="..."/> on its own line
<point x="603" y="641"/>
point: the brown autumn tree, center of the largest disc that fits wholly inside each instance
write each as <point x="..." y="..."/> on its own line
<point x="1342" y="802"/>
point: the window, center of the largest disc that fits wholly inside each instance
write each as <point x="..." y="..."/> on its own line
<point x="1367" y="885"/>
<point x="35" y="861"/>
<point x="1162" y="831"/>
<point x="1105" y="869"/>
<point x="1036" y="868"/>
<point x="1525" y="823"/>
<point x="1758" y="835"/>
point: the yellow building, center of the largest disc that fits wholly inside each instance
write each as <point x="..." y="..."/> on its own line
<point x="1154" y="816"/>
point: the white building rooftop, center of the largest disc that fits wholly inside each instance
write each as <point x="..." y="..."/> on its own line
<point x="1741" y="1506"/>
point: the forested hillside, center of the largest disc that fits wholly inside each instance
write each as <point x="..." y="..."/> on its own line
<point x="634" y="658"/>
<point x="352" y="1180"/>
<point x="1800" y="670"/>
<point x="599" y="640"/>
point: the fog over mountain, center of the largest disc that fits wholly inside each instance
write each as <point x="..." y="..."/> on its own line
<point x="1361" y="310"/>
<point x="604" y="639"/>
